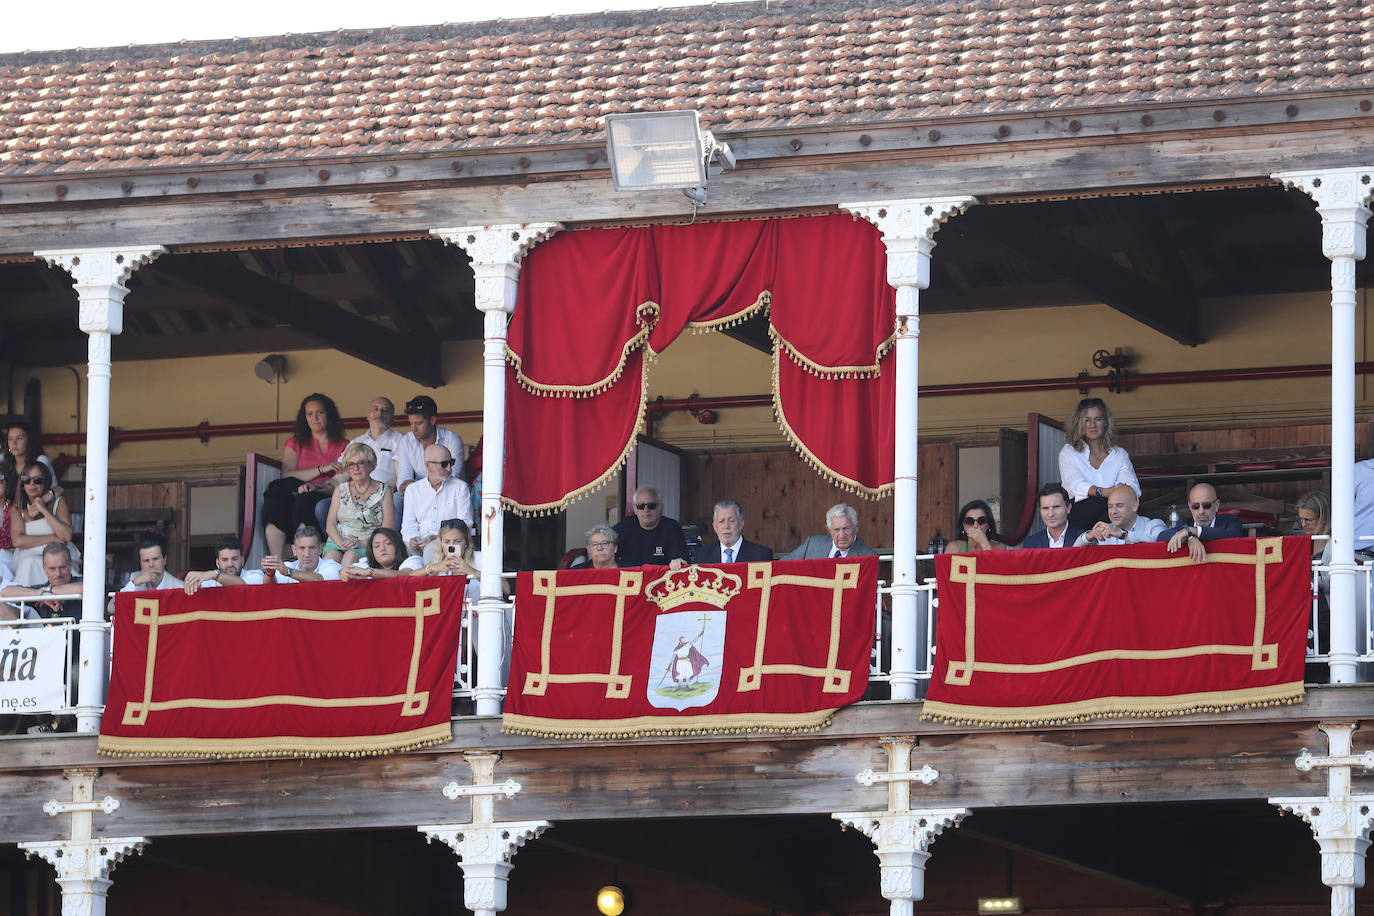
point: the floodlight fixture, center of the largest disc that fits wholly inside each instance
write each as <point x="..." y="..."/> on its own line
<point x="663" y="150"/>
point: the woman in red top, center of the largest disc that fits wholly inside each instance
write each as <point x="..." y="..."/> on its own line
<point x="308" y="465"/>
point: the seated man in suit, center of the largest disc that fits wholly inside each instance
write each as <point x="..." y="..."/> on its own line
<point x="728" y="522"/>
<point x="842" y="539"/>
<point x="1054" y="512"/>
<point x="1207" y="525"/>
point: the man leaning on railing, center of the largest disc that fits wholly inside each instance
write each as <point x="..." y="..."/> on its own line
<point x="57" y="566"/>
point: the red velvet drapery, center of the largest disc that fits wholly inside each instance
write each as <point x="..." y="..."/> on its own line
<point x="595" y="305"/>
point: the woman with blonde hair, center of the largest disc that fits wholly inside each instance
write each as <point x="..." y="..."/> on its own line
<point x="1091" y="463"/>
<point x="359" y="506"/>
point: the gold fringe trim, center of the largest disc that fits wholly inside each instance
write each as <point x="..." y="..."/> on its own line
<point x="844" y="483"/>
<point x="833" y="372"/>
<point x="667" y="726"/>
<point x="646" y="316"/>
<point x="1113" y="708"/>
<point x="562" y="503"/>
<point x="294" y="746"/>
<point x="764" y="302"/>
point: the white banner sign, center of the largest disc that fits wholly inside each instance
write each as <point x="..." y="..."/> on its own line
<point x="32" y="660"/>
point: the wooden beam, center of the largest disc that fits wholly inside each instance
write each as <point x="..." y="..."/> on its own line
<point x="395" y="294"/>
<point x="413" y="357"/>
<point x="1171" y="313"/>
<point x="781" y="186"/>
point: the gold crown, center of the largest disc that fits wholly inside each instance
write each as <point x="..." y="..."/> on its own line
<point x="694" y="584"/>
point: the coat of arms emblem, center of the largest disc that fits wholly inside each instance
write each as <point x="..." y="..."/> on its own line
<point x="689" y="636"/>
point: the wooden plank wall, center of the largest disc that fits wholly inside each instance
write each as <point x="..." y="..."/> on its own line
<point x="169" y="494"/>
<point x="785" y="500"/>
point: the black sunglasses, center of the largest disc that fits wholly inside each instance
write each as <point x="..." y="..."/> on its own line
<point x="443" y="464"/>
<point x="1196" y="506"/>
<point x="646" y="505"/>
<point x="37" y="478"/>
<point x="981" y="521"/>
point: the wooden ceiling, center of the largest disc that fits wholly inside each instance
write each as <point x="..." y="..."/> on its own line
<point x="393" y="303"/>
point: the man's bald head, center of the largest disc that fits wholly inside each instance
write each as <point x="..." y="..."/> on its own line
<point x="1204" y="503"/>
<point x="438" y="463"/>
<point x="1122" y="506"/>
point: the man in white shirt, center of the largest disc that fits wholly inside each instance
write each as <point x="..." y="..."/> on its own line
<point x="440" y="496"/>
<point x="57" y="567"/>
<point x="308" y="566"/>
<point x="424" y="432"/>
<point x="1126" y="526"/>
<point x="152" y="574"/>
<point x="228" y="566"/>
<point x="382" y="439"/>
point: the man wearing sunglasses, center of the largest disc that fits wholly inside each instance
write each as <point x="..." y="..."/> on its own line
<point x="1207" y="525"/>
<point x="439" y="496"/>
<point x="647" y="537"/>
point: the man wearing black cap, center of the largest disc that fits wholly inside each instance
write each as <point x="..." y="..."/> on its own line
<point x="410" y="458"/>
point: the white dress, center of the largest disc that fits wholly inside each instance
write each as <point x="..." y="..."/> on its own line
<point x="28" y="561"/>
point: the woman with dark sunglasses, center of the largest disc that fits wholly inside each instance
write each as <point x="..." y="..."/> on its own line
<point x="979" y="527"/>
<point x="39" y="517"/>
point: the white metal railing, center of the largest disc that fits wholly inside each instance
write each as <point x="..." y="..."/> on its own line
<point x="28" y="679"/>
<point x="1319" y="624"/>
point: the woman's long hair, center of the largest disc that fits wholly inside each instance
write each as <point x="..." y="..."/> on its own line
<point x="1073" y="429"/>
<point x="29" y="470"/>
<point x="1317" y="503"/>
<point x="333" y="423"/>
<point x="457" y="524"/>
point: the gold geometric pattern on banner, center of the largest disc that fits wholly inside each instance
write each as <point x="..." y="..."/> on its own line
<point x="148" y="612"/>
<point x="617" y="684"/>
<point x="834" y="679"/>
<point x="964" y="568"/>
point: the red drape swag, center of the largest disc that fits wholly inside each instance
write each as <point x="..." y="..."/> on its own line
<point x="592" y="301"/>
<point x="1034" y="637"/>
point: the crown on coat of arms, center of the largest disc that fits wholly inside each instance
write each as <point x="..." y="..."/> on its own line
<point x="694" y="584"/>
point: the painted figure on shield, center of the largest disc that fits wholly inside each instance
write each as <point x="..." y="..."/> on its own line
<point x="687" y="661"/>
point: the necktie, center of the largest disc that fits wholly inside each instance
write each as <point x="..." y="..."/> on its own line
<point x="836" y="554"/>
<point x="729" y="555"/>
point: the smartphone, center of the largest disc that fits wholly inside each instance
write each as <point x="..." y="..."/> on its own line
<point x="452" y="549"/>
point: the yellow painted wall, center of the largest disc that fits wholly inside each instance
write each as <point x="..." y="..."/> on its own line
<point x="983" y="346"/>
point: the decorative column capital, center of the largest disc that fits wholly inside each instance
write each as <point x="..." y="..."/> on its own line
<point x="1342" y="197"/>
<point x="484" y="846"/>
<point x="908" y="228"/>
<point x="496" y="252"/>
<point x="89" y="861"/>
<point x="99" y="276"/>
<point x="901" y="835"/>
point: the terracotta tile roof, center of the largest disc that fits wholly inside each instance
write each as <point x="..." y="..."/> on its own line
<point x="802" y="63"/>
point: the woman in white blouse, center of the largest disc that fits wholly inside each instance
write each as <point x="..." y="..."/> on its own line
<point x="1091" y="462"/>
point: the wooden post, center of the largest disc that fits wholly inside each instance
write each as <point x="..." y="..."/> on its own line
<point x="908" y="228"/>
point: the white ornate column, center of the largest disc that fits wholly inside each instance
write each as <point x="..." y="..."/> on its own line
<point x="99" y="275"/>
<point x="84" y="862"/>
<point x="484" y="846"/>
<point x="1340" y="821"/>
<point x="908" y="228"/>
<point x="1342" y="197"/>
<point x="902" y="836"/>
<point x="495" y="252"/>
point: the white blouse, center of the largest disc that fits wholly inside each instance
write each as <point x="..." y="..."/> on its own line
<point x="1078" y="476"/>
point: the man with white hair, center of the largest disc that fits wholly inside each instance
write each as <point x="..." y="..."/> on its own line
<point x="840" y="540"/>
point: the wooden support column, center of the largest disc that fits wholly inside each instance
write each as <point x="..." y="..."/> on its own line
<point x="1340" y="821"/>
<point x="484" y="847"/>
<point x="495" y="252"/>
<point x="908" y="228"/>
<point x="99" y="275"/>
<point x="901" y="835"/>
<point x="84" y="862"/>
<point x="1342" y="197"/>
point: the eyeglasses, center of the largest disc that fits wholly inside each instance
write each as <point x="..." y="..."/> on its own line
<point x="646" y="505"/>
<point x="980" y="520"/>
<point x="600" y="545"/>
<point x="1308" y="521"/>
<point x="355" y="464"/>
<point x="443" y="464"/>
<point x="37" y="478"/>
<point x="1196" y="506"/>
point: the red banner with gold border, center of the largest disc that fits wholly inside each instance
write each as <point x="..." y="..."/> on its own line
<point x="306" y="670"/>
<point x="738" y="647"/>
<point x="1034" y="637"/>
